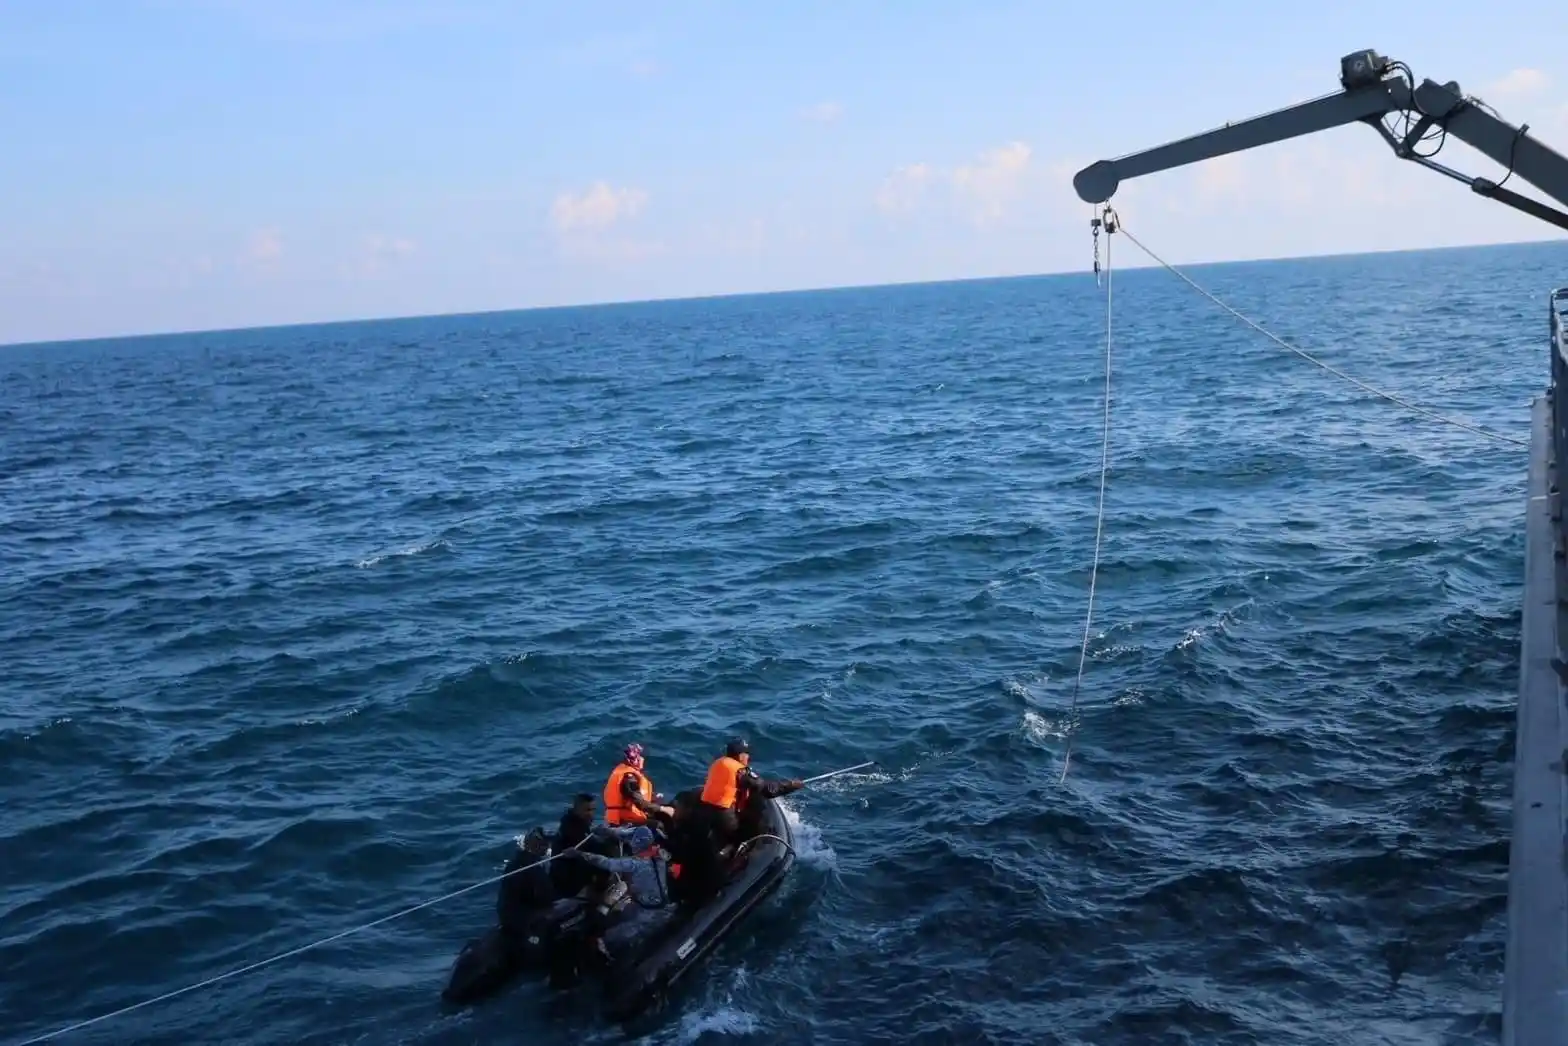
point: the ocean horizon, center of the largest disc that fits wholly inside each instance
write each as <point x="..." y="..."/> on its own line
<point x="1141" y="262"/>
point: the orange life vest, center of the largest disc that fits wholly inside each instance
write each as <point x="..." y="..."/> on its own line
<point x="720" y="788"/>
<point x="617" y="810"/>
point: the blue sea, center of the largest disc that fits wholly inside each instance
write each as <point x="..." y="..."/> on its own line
<point x="302" y="626"/>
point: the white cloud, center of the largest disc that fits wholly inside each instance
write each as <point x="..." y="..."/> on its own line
<point x="984" y="190"/>
<point x="587" y="225"/>
<point x="380" y="252"/>
<point x="379" y="245"/>
<point x="1520" y="83"/>
<point x="262" y="251"/>
<point x="994" y="183"/>
<point x="265" y="245"/>
<point x="904" y="189"/>
<point x="823" y="112"/>
<point x="597" y="208"/>
<point x="1223" y="176"/>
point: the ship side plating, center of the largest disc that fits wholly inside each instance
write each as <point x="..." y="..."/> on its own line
<point x="1535" y="982"/>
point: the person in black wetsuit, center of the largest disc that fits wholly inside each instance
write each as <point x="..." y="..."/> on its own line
<point x="527" y="886"/>
<point x="576" y="823"/>
<point x="576" y="827"/>
<point x="748" y="811"/>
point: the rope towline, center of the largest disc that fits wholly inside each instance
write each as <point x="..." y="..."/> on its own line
<point x="294" y="951"/>
<point x="1282" y="343"/>
<point x="366" y="926"/>
<point x="1112" y="224"/>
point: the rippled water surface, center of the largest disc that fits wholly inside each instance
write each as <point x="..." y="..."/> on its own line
<point x="302" y="625"/>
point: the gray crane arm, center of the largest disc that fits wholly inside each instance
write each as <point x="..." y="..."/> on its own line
<point x="1373" y="89"/>
<point x="1099" y="181"/>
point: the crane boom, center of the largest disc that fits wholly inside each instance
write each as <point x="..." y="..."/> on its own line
<point x="1373" y="88"/>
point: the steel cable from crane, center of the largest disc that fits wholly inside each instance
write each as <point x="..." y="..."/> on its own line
<point x="1459" y="423"/>
<point x="1111" y="224"/>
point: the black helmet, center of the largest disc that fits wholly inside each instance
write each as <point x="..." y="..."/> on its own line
<point x="737" y="747"/>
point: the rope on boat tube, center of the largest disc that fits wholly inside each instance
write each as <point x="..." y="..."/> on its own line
<point x="295" y="951"/>
<point x="766" y="835"/>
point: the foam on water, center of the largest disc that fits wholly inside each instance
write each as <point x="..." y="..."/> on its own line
<point x="811" y="849"/>
<point x="437" y="544"/>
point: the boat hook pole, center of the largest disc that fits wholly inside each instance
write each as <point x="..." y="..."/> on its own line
<point x="835" y="773"/>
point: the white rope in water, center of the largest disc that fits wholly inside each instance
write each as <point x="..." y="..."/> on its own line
<point x="293" y="952"/>
<point x="1282" y="343"/>
<point x="1099" y="516"/>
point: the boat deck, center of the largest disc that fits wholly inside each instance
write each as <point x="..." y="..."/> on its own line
<point x="1535" y="986"/>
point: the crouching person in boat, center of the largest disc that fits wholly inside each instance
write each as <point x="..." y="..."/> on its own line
<point x="635" y="897"/>
<point x="606" y="899"/>
<point x="645" y="871"/>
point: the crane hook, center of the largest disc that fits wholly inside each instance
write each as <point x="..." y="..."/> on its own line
<point x="1106" y="219"/>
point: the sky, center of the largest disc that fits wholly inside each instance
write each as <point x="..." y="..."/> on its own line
<point x="192" y="164"/>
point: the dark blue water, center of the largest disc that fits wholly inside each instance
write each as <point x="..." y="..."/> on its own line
<point x="302" y="626"/>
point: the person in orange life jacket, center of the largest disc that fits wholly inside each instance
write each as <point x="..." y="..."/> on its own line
<point x="629" y="798"/>
<point x="730" y="785"/>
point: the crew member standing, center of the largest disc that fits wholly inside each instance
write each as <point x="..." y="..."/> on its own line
<point x="731" y="783"/>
